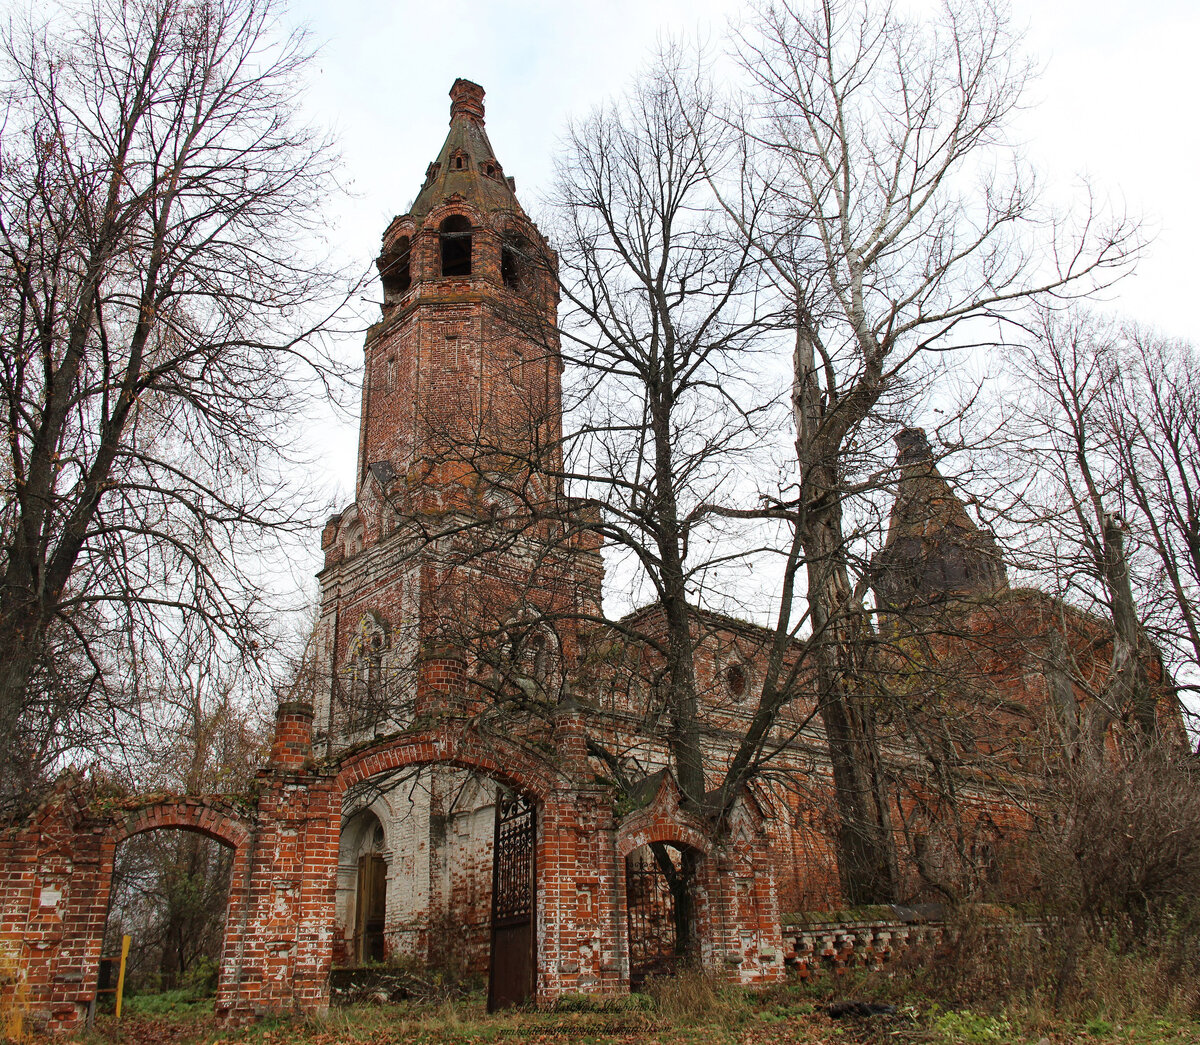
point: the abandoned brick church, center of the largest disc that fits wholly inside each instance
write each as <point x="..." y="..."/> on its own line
<point x="437" y="796"/>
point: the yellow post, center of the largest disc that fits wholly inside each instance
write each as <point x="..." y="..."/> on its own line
<point x="125" y="940"/>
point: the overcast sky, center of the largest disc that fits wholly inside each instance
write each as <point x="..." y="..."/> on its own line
<point x="1117" y="102"/>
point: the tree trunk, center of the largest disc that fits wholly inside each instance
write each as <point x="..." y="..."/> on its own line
<point x="681" y="673"/>
<point x="20" y="636"/>
<point x="866" y="848"/>
<point x="865" y="844"/>
<point x="1129" y="687"/>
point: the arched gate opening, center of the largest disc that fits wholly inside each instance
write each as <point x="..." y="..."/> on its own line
<point x="441" y="855"/>
<point x="661" y="907"/>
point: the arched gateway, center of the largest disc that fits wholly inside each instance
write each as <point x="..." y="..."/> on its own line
<point x="280" y="928"/>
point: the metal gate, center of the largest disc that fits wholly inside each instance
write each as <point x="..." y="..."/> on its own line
<point x="654" y="945"/>
<point x="511" y="970"/>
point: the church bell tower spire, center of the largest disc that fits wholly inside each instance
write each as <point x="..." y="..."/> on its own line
<point x="463" y="369"/>
<point x="459" y="535"/>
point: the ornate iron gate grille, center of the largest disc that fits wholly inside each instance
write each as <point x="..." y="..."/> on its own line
<point x="652" y="937"/>
<point x="510" y="973"/>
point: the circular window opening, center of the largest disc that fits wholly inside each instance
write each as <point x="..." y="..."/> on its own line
<point x="736" y="681"/>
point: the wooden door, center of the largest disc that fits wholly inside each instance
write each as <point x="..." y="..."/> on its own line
<point x="370" y="908"/>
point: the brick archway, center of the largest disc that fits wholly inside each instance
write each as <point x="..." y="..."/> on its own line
<point x="662" y="820"/>
<point x="736" y="907"/>
<point x="648" y="908"/>
<point x="215" y="818"/>
<point x="493" y="929"/>
<point x="644" y="828"/>
<point x="497" y="757"/>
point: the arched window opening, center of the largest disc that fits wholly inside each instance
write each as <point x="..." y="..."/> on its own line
<point x="369" y="691"/>
<point x="538" y="657"/>
<point x="736" y="681"/>
<point x="455" y="236"/>
<point x="530" y="662"/>
<point x="355" y="539"/>
<point x="395" y="272"/>
<point x="514" y="260"/>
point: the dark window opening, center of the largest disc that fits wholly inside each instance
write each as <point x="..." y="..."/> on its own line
<point x="514" y="255"/>
<point x="395" y="272"/>
<point x="455" y="235"/>
<point x="735" y="681"/>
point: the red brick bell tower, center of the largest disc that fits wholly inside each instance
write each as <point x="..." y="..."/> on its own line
<point x="460" y="531"/>
<point x="462" y="374"/>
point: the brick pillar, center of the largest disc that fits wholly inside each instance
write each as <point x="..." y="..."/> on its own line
<point x="742" y="935"/>
<point x="55" y="872"/>
<point x="580" y="939"/>
<point x="292" y="746"/>
<point x="570" y="737"/>
<point x="279" y="938"/>
<point x="441" y="681"/>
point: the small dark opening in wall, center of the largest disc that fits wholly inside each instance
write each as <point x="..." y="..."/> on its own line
<point x="455" y="235"/>
<point x="396" y="273"/>
<point x="735" y="681"/>
<point x="514" y="259"/>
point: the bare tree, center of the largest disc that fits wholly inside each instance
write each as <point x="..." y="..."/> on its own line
<point x="1070" y="364"/>
<point x="1112" y="517"/>
<point x="671" y="419"/>
<point x="161" y="294"/>
<point x="903" y="226"/>
<point x="171" y="888"/>
<point x="1153" y="413"/>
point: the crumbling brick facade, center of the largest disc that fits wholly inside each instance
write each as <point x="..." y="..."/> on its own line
<point x="441" y="691"/>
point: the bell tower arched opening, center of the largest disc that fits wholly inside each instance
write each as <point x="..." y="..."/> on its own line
<point x="395" y="272"/>
<point x="454" y="237"/>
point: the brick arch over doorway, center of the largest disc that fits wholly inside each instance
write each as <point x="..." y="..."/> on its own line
<point x="485" y="884"/>
<point x="497" y="757"/>
<point x="216" y="818"/>
<point x="639" y="830"/>
<point x="222" y="819"/>
<point x="736" y="907"/>
<point x="58" y="867"/>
